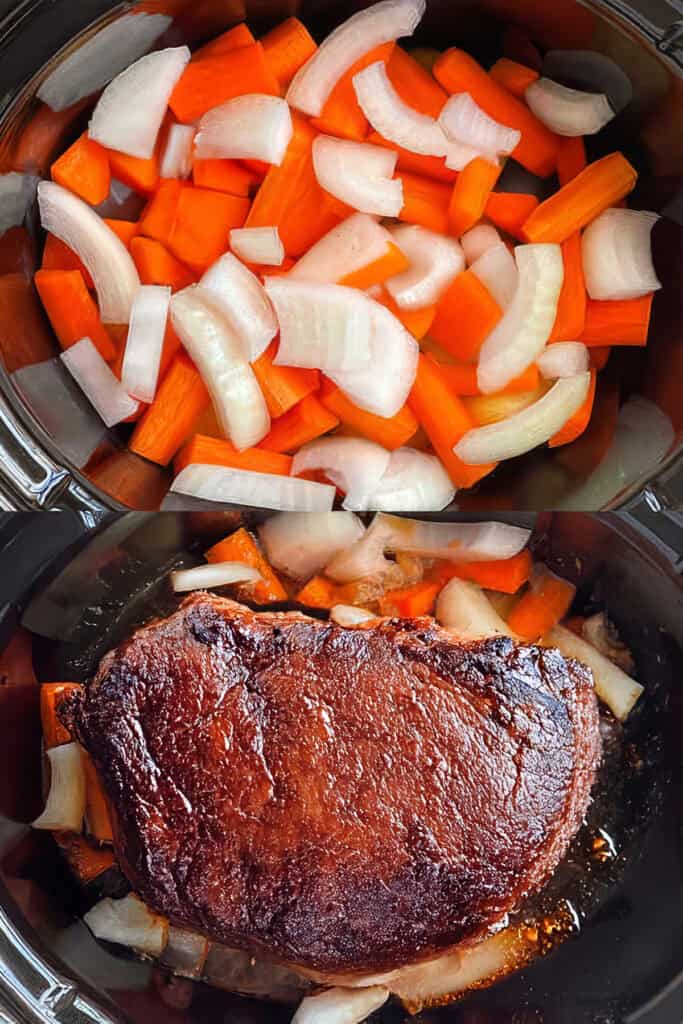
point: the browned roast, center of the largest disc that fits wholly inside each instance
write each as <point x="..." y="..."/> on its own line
<point x="340" y="799"/>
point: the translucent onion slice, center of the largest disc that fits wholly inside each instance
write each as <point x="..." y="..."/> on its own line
<point x="17" y="192"/>
<point x="520" y="335"/>
<point x="252" y="127"/>
<point x="434" y="261"/>
<point x="146" y="332"/>
<point x="242" y="300"/>
<point x="526" y="429"/>
<point x="258" y="490"/>
<point x="617" y="255"/>
<point x="128" y="922"/>
<point x="568" y="111"/>
<point x="464" y="609"/>
<point x="356" y="174"/>
<point x="356" y="242"/>
<point x="589" y="70"/>
<point x="65" y="806"/>
<point x="218" y="354"/>
<point x="97" y="382"/>
<point x="110" y="264"/>
<point x="301" y="544"/>
<point x="613" y="686"/>
<point x="463" y="121"/>
<point x="479" y="240"/>
<point x="258" y="245"/>
<point x="129" y="112"/>
<point x="392" y="118"/>
<point x="563" y="359"/>
<point x="217" y="574"/>
<point x="497" y="271"/>
<point x="349" y="615"/>
<point x="341" y="1005"/>
<point x="352" y="463"/>
<point x="380" y="23"/>
<point x="412" y="480"/>
<point x="176" y="161"/>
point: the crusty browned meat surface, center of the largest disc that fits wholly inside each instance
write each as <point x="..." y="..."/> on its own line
<point x="340" y="799"/>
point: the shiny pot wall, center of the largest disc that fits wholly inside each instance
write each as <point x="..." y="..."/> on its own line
<point x="54" y="451"/>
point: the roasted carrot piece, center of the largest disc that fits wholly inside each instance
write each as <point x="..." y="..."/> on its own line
<point x="126" y="230"/>
<point x="577" y="423"/>
<point x="509" y="210"/>
<point x="24" y="335"/>
<point x="466" y="314"/>
<point x="287" y="47"/>
<point x="208" y="82"/>
<point x="513" y="76"/>
<point x="542" y="606"/>
<point x="51" y="696"/>
<point x="179" y="400"/>
<point x="506" y="575"/>
<point x="84" y="170"/>
<point x="139" y="174"/>
<point x="96" y="808"/>
<point x="241" y="547"/>
<point x="620" y="322"/>
<point x="239" y="35"/>
<point x="588" y="451"/>
<point x="224" y="176"/>
<point x="159" y="216"/>
<point x="410" y="602"/>
<point x="156" y="265"/>
<point x="581" y="200"/>
<point x="462" y="378"/>
<point x="571" y="159"/>
<point x="58" y="256"/>
<point x="417" y="321"/>
<point x="202" y="225"/>
<point x="318" y="593"/>
<point x="71" y="310"/>
<point x="391" y="433"/>
<point x="470" y="194"/>
<point x="425" y="202"/>
<point x="391" y="263"/>
<point x="571" y="306"/>
<point x="86" y="859"/>
<point x="342" y="114"/>
<point x="302" y="423"/>
<point x="283" y="386"/>
<point x="415" y="86"/>
<point x="214" y="451"/>
<point x="416" y="163"/>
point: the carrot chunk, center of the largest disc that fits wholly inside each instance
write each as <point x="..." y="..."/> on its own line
<point x="84" y="170"/>
<point x="509" y="211"/>
<point x="85" y="858"/>
<point x="462" y="379"/>
<point x="545" y="603"/>
<point x="203" y="220"/>
<point x="506" y="575"/>
<point x="72" y="311"/>
<point x="415" y="86"/>
<point x="239" y="35"/>
<point x="241" y="547"/>
<point x="342" y="114"/>
<point x="466" y="314"/>
<point x="410" y="602"/>
<point x="571" y="305"/>
<point x="513" y="76"/>
<point x="287" y="47"/>
<point x="425" y="202"/>
<point x="156" y="265"/>
<point x="318" y="593"/>
<point x="391" y="263"/>
<point x="208" y="82"/>
<point x="416" y="321"/>
<point x="470" y="194"/>
<point x="214" y="451"/>
<point x="620" y="322"/>
<point x="97" y="814"/>
<point x="142" y="175"/>
<point x="179" y="400"/>
<point x="302" y="423"/>
<point x="58" y="256"/>
<point x="391" y="433"/>
<point x="571" y="159"/>
<point x="224" y="176"/>
<point x="125" y="230"/>
<point x="159" y="216"/>
<point x="283" y="386"/>
<point x="51" y="696"/>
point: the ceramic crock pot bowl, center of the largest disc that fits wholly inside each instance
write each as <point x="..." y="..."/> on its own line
<point x="66" y="595"/>
<point x="55" y="452"/>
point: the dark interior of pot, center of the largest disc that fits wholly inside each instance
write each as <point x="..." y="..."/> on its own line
<point x="80" y="463"/>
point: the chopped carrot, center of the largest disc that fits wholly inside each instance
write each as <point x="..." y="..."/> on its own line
<point x="416" y="321"/>
<point x="571" y="305"/>
<point x="24" y="335"/>
<point x="156" y="265"/>
<point x="202" y="225"/>
<point x="84" y="170"/>
<point x="543" y="605"/>
<point x="537" y="148"/>
<point x="416" y="163"/>
<point x="159" y="216"/>
<point x="577" y="203"/>
<point x="97" y="813"/>
<point x="85" y="858"/>
<point x="208" y="82"/>
<point x="588" y="451"/>
<point x="577" y="423"/>
<point x="214" y="451"/>
<point x="239" y="35"/>
<point x="257" y="167"/>
<point x="391" y="433"/>
<point x="619" y="322"/>
<point x="342" y="114"/>
<point x="241" y="547"/>
<point x="506" y="575"/>
<point x="125" y="230"/>
<point x="571" y="159"/>
<point x="462" y="378"/>
<point x="425" y="202"/>
<point x="599" y="356"/>
<point x="71" y="310"/>
<point x="318" y="593"/>
<point x="514" y="77"/>
<point x="470" y="194"/>
<point x="391" y="263"/>
<point x="42" y="136"/>
<point x="283" y="386"/>
<point x="179" y="400"/>
<point x="466" y="314"/>
<point x="225" y="176"/>
<point x="415" y="86"/>
<point x="58" y="256"/>
<point x="484" y="409"/>
<point x="304" y="422"/>
<point x="410" y="602"/>
<point x="509" y="210"/>
<point x="51" y="696"/>
<point x="142" y="175"/>
<point x="287" y="47"/>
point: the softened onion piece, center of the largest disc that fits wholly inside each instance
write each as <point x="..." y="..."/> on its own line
<point x="17" y="192"/>
<point x="258" y="490"/>
<point x="340" y="1006"/>
<point x="176" y="161"/>
<point x="185" y="953"/>
<point x="97" y="382"/>
<point x="141" y="359"/>
<point x="352" y="463"/>
<point x="65" y="806"/>
<point x="617" y="255"/>
<point x="217" y="574"/>
<point x="526" y="429"/>
<point x="497" y="271"/>
<point x="242" y="299"/>
<point x="356" y="242"/>
<point x="300" y="544"/>
<point x="520" y="335"/>
<point x="258" y="245"/>
<point x="128" y="922"/>
<point x="252" y="127"/>
<point x="359" y="174"/>
<point x="412" y="480"/>
<point x="362" y="32"/>
<point x="568" y="111"/>
<point x="464" y="122"/>
<point x="349" y="615"/>
<point x="218" y="354"/>
<point x="613" y="686"/>
<point x="464" y="609"/>
<point x="392" y="118"/>
<point x="563" y="359"/>
<point x="478" y="240"/>
<point x="129" y="112"/>
<point x="434" y="261"/>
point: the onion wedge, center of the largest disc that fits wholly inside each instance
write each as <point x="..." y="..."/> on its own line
<point x="128" y="922"/>
<point x="359" y="174"/>
<point x="349" y="615"/>
<point x="353" y="464"/>
<point x="434" y="261"/>
<point x="616" y="252"/>
<point x="362" y="32"/>
<point x="395" y="120"/>
<point x="479" y="240"/>
<point x="252" y="127"/>
<point x="241" y="298"/>
<point x="129" y="112"/>
<point x="185" y="953"/>
<point x="340" y="1005"/>
<point x="97" y="382"/>
<point x="65" y="806"/>
<point x="355" y="243"/>
<point x="145" y="342"/>
<point x="464" y="609"/>
<point x="215" y="348"/>
<point x="613" y="686"/>
<point x="176" y="161"/>
<point x="258" y="245"/>
<point x="463" y="121"/>
<point x="258" y="490"/>
<point x="563" y="359"/>
<point x="565" y="111"/>
<point x="217" y="574"/>
<point x="412" y="480"/>
<point x="497" y="271"/>
<point x="302" y="543"/>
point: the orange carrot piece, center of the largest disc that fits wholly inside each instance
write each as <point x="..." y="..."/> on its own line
<point x="415" y="86"/>
<point x="58" y="256"/>
<point x="96" y="808"/>
<point x="506" y="575"/>
<point x="509" y="211"/>
<point x="86" y="859"/>
<point x="208" y="82"/>
<point x="588" y="451"/>
<point x="416" y="163"/>
<point x="425" y="202"/>
<point x="283" y="386"/>
<point x="51" y="696"/>
<point x="125" y="230"/>
<point x="571" y="306"/>
<point x="462" y="379"/>
<point x="302" y="423"/>
<point x="142" y="175"/>
<point x="71" y="310"/>
<point x="84" y="170"/>
<point x="239" y="35"/>
<point x="224" y="176"/>
<point x="542" y="606"/>
<point x="537" y="148"/>
<point x="599" y="356"/>
<point x="156" y="265"/>
<point x="287" y="47"/>
<point x="342" y="114"/>
<point x="318" y="593"/>
<point x="416" y="321"/>
<point x="571" y="159"/>
<point x="215" y="451"/>
<point x="577" y="423"/>
<point x="470" y="194"/>
<point x="410" y="602"/>
<point x="391" y="263"/>
<point x="241" y="547"/>
<point x="391" y="433"/>
<point x="581" y="200"/>
<point x="514" y="77"/>
<point x="202" y="225"/>
<point x="620" y="322"/>
<point x="466" y="314"/>
<point x="159" y="216"/>
<point x="24" y="334"/>
<point x="179" y="400"/>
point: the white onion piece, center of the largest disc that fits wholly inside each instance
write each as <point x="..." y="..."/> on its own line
<point x="349" y="615"/>
<point x="525" y="430"/>
<point x="242" y="300"/>
<point x="563" y="359"/>
<point x="566" y="111"/>
<point x="589" y="70"/>
<point x="617" y="255"/>
<point x="146" y="332"/>
<point x="218" y="354"/>
<point x="497" y="271"/>
<point x="258" y="245"/>
<point x="380" y="23"/>
<point x="520" y="335"/>
<point x="128" y="922"/>
<point x="464" y="609"/>
<point x="341" y="1005"/>
<point x="17" y="192"/>
<point x="252" y="127"/>
<point x="479" y="240"/>
<point x="129" y="112"/>
<point x="463" y="121"/>
<point x="356" y="242"/>
<point x="354" y="173"/>
<point x="217" y="574"/>
<point x="352" y="463"/>
<point x="65" y="806"/>
<point x="302" y="543"/>
<point x="613" y="686"/>
<point x="185" y="953"/>
<point x="96" y="380"/>
<point x="108" y="261"/>
<point x="457" y="542"/>
<point x="395" y="120"/>
<point x="362" y="560"/>
<point x="412" y="480"/>
<point x="259" y="490"/>
<point x="434" y="261"/>
<point x="176" y="161"/>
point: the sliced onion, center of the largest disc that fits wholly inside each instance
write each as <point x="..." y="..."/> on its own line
<point x="356" y="242"/>
<point x="434" y="261"/>
<point x="526" y="429"/>
<point x="252" y="127"/>
<point x="65" y="806"/>
<point x="520" y="335"/>
<point x="459" y="155"/>
<point x="259" y="490"/>
<point x="352" y="463"/>
<point x="479" y="240"/>
<point x="412" y="480"/>
<point x="215" y="348"/>
<point x="302" y="543"/>
<point x="108" y="261"/>
<point x="362" y="32"/>
<point x="457" y="542"/>
<point x="464" y="609"/>
<point x="258" y="245"/>
<point x="617" y="255"/>
<point x="17" y="192"/>
<point x="128" y="922"/>
<point x="497" y="271"/>
<point x="563" y="359"/>
<point x="176" y="161"/>
<point x="185" y="953"/>
<point x="242" y="300"/>
<point x="217" y="574"/>
<point x="97" y="382"/>
<point x="463" y="121"/>
<point x="394" y="119"/>
<point x="613" y="686"/>
<point x="568" y="111"/>
<point x="359" y="174"/>
<point x="341" y="1005"/>
<point x="148" y="317"/>
<point x="349" y="615"/>
<point x="129" y="112"/>
<point x="589" y="70"/>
